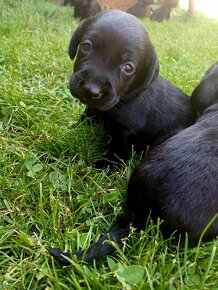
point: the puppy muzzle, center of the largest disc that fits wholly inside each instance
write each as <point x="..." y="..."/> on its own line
<point x="97" y="93"/>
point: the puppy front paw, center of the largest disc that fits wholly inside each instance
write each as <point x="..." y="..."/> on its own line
<point x="60" y="256"/>
<point x="112" y="165"/>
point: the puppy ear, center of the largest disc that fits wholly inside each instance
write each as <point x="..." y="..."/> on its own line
<point x="197" y="98"/>
<point x="76" y="38"/>
<point x="206" y="93"/>
<point x="153" y="67"/>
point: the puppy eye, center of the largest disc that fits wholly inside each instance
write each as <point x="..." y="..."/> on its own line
<point x="86" y="46"/>
<point x="128" y="68"/>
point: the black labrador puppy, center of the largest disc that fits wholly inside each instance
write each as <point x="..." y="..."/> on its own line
<point x="116" y="74"/>
<point x="176" y="182"/>
<point x="164" y="10"/>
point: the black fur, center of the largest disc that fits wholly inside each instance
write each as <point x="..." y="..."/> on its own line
<point x="84" y="8"/>
<point x="138" y="9"/>
<point x="116" y="74"/>
<point x="176" y="182"/>
<point x="164" y="10"/>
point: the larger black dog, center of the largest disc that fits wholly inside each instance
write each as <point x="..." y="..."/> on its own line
<point x="116" y="74"/>
<point x="177" y="181"/>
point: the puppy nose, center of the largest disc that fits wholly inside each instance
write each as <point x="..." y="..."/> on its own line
<point x="92" y="90"/>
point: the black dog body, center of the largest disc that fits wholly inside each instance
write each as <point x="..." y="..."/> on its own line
<point x="84" y="8"/>
<point x="116" y="74"/>
<point x="138" y="9"/>
<point x="177" y="181"/>
<point x="163" y="12"/>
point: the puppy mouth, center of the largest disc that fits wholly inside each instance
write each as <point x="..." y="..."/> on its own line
<point x="108" y="106"/>
<point x="99" y="103"/>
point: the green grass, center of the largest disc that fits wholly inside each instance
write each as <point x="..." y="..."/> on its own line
<point x="49" y="193"/>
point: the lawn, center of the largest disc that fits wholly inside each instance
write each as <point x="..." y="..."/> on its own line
<point x="50" y="194"/>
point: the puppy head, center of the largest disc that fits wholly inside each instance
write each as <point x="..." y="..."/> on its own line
<point x="206" y="93"/>
<point x="115" y="59"/>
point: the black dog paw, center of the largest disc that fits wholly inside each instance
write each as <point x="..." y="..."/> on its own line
<point x="107" y="164"/>
<point x="60" y="256"/>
